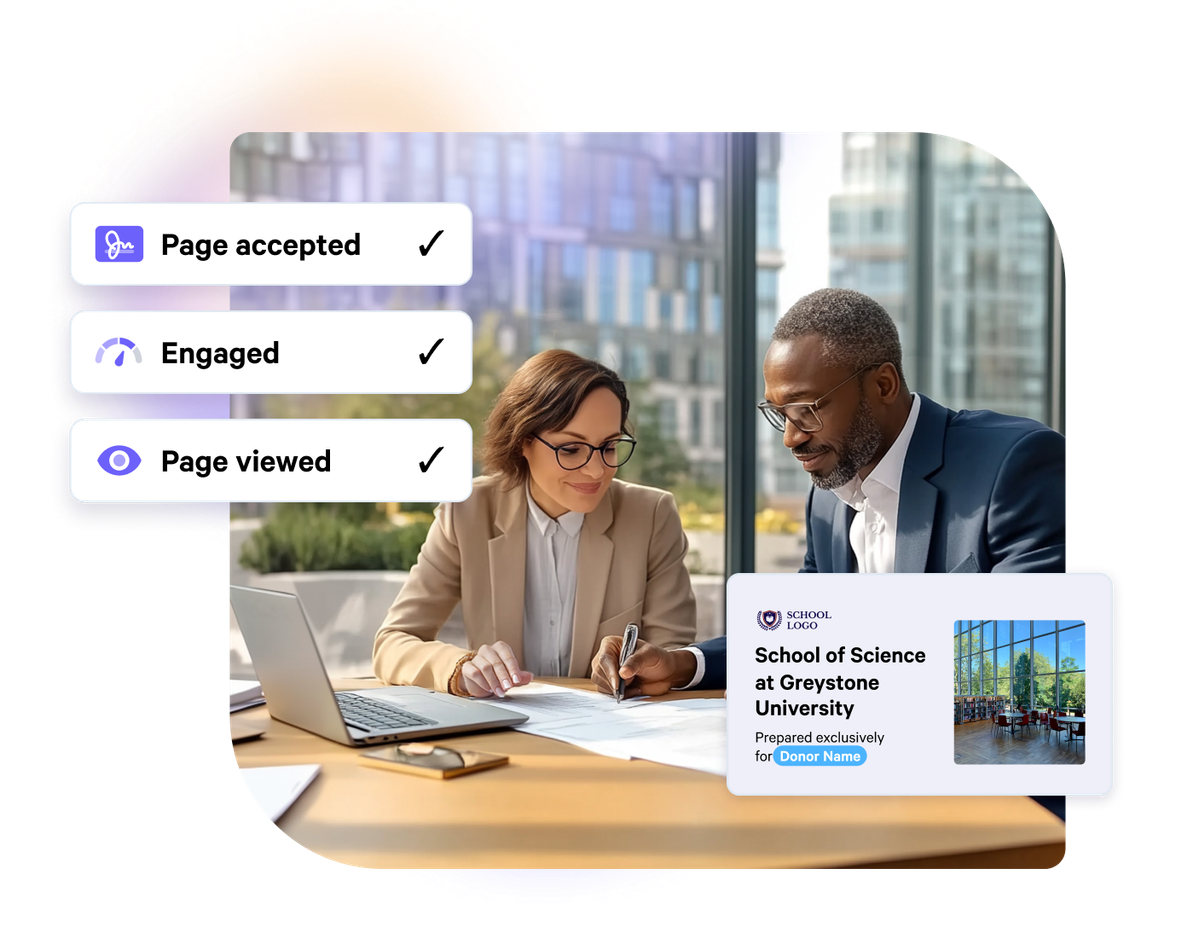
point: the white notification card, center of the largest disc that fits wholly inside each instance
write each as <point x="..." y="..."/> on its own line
<point x="275" y="352"/>
<point x="885" y="685"/>
<point x="271" y="460"/>
<point x="213" y="243"/>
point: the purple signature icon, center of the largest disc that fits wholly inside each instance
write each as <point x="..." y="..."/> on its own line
<point x="118" y="243"/>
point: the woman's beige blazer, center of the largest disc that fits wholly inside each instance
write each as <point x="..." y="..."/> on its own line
<point x="631" y="569"/>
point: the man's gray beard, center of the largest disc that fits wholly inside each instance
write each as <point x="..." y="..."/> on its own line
<point x="859" y="448"/>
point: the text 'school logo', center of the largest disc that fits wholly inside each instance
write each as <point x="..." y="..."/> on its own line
<point x="121" y="344"/>
<point x="769" y="619"/>
<point x="119" y="460"/>
<point x="119" y="243"/>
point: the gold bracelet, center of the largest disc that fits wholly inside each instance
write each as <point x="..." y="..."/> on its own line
<point x="453" y="686"/>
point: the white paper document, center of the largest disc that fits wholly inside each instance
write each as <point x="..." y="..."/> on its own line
<point x="276" y="787"/>
<point x="686" y="733"/>
<point x="243" y="694"/>
<point x="241" y="691"/>
<point x="544" y="703"/>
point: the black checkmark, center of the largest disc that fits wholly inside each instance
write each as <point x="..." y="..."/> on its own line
<point x="428" y="355"/>
<point x="426" y="248"/>
<point x="425" y="465"/>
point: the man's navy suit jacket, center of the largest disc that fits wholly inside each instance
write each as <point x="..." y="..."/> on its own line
<point x="980" y="492"/>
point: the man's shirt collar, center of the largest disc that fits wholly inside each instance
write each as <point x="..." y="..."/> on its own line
<point x="890" y="469"/>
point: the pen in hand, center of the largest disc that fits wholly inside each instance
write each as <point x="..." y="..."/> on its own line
<point x="627" y="645"/>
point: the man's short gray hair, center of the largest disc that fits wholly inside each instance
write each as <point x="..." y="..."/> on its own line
<point x="857" y="330"/>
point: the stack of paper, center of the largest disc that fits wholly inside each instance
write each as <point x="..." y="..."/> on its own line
<point x="686" y="733"/>
<point x="243" y="694"/>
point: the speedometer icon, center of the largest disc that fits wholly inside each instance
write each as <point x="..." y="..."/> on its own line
<point x="121" y="345"/>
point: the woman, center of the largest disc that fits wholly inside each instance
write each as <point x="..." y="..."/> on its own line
<point x="550" y="553"/>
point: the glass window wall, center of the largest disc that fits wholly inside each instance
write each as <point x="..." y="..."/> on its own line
<point x="951" y="242"/>
<point x="1047" y="671"/>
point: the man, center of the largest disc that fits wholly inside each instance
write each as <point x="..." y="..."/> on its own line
<point x="900" y="483"/>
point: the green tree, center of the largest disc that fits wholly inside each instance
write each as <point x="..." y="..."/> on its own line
<point x="988" y="674"/>
<point x="307" y="537"/>
<point x="1022" y="676"/>
<point x="1073" y="690"/>
<point x="1043" y="669"/>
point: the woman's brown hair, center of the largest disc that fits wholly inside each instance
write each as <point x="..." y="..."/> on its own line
<point x="542" y="396"/>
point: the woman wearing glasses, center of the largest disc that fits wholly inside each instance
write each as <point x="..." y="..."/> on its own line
<point x="550" y="553"/>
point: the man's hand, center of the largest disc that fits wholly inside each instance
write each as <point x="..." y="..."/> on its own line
<point x="492" y="671"/>
<point x="650" y="670"/>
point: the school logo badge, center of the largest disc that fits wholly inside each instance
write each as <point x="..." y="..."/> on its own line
<point x="769" y="619"/>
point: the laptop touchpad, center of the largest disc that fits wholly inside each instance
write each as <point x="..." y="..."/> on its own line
<point x="392" y="693"/>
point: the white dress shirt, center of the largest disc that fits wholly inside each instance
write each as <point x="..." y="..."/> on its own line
<point x="876" y="503"/>
<point x="551" y="565"/>
<point x="699" y="675"/>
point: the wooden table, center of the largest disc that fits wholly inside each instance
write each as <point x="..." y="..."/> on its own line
<point x="558" y="806"/>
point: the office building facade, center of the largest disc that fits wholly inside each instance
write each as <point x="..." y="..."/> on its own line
<point x="979" y="338"/>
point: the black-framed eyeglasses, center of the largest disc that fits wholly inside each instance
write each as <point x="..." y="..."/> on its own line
<point x="804" y="415"/>
<point x="571" y="456"/>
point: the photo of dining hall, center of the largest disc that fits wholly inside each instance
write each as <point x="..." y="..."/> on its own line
<point x="1019" y="692"/>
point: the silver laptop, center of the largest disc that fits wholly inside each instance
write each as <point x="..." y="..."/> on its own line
<point x="298" y="692"/>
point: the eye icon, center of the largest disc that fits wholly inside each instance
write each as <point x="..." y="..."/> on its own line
<point x="119" y="460"/>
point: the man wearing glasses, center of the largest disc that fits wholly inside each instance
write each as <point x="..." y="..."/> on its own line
<point x="900" y="483"/>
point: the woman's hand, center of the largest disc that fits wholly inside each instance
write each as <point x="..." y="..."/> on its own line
<point x="493" y="671"/>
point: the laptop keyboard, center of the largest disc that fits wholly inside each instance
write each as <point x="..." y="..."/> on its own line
<point x="367" y="714"/>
